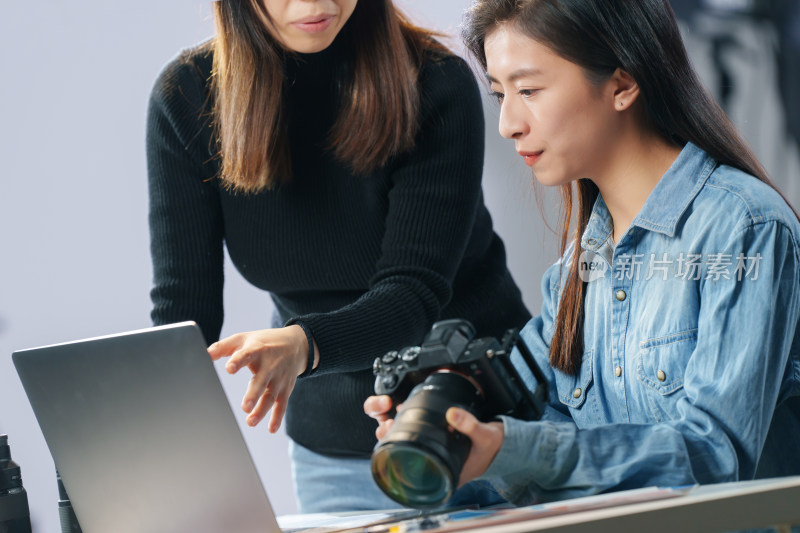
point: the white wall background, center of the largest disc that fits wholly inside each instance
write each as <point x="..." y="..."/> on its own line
<point x="73" y="200"/>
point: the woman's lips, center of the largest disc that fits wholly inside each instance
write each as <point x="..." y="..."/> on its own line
<point x="531" y="157"/>
<point x="314" y="24"/>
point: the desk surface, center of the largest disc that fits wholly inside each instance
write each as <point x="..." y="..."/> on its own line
<point x="703" y="509"/>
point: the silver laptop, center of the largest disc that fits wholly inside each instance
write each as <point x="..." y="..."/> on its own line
<point x="143" y="435"/>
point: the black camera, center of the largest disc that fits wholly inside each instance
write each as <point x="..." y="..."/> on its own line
<point x="419" y="461"/>
<point x="15" y="515"/>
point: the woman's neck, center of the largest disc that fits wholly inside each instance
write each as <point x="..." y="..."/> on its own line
<point x="315" y="70"/>
<point x="633" y="172"/>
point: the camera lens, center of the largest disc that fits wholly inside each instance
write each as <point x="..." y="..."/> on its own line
<point x="14" y="511"/>
<point x="419" y="461"/>
<point x="412" y="476"/>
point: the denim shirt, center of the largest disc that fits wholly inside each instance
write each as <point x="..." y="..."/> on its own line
<point x="691" y="364"/>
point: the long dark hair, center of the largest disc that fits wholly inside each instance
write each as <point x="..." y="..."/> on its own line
<point x="377" y="116"/>
<point x="642" y="38"/>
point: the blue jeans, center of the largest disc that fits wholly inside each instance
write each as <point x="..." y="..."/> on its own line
<point x="325" y="484"/>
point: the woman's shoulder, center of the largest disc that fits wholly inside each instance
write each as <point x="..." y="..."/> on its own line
<point x="749" y="201"/>
<point x="180" y="100"/>
<point x="186" y="76"/>
<point x="447" y="84"/>
<point x="438" y="64"/>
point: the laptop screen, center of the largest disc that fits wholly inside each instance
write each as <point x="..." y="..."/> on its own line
<point x="143" y="435"/>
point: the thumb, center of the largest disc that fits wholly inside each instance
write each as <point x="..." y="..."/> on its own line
<point x="462" y="420"/>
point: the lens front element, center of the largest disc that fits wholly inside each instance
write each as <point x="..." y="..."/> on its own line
<point x="419" y="460"/>
<point x="411" y="475"/>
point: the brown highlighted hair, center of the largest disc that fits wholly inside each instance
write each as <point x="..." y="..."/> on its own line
<point x="642" y="38"/>
<point x="377" y="116"/>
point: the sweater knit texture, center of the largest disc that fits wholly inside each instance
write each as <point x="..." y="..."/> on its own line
<point x="367" y="263"/>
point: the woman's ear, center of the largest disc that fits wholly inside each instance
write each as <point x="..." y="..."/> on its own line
<point x="625" y="89"/>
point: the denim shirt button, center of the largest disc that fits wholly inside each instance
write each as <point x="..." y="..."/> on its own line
<point x="576" y="393"/>
<point x="620" y="294"/>
<point x="661" y="375"/>
<point x="591" y="242"/>
<point x="618" y="371"/>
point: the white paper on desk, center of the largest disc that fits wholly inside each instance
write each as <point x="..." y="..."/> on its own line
<point x="326" y="521"/>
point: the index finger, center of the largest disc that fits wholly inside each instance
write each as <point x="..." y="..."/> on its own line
<point x="376" y="406"/>
<point x="224" y="347"/>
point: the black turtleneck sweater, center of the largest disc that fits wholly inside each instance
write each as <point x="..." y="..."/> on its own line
<point x="366" y="263"/>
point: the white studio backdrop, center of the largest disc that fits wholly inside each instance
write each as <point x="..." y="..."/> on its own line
<point x="73" y="204"/>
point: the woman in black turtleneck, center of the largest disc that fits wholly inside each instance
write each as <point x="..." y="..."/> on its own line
<point x="336" y="150"/>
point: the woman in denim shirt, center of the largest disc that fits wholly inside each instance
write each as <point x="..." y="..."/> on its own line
<point x="669" y="338"/>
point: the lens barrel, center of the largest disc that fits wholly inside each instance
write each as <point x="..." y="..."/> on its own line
<point x="419" y="461"/>
<point x="15" y="515"/>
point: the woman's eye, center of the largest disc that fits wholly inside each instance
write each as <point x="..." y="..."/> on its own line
<point x="497" y="96"/>
<point x="527" y="93"/>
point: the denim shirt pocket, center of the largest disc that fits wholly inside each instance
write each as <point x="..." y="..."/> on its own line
<point x="573" y="390"/>
<point x="661" y="366"/>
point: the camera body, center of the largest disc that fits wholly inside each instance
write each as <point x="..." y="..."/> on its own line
<point x="420" y="459"/>
<point x="449" y="347"/>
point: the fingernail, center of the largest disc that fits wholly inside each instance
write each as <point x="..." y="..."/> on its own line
<point x="454" y="416"/>
<point x="248" y="405"/>
<point x="251" y="421"/>
<point x="230" y="367"/>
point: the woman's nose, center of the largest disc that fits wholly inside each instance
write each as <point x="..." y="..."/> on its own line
<point x="512" y="122"/>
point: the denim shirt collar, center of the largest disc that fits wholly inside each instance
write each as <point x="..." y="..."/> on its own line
<point x="669" y="200"/>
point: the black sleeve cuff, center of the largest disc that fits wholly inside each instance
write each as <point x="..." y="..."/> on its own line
<point x="310" y="338"/>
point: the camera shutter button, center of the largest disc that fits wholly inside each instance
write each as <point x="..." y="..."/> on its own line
<point x="390" y="357"/>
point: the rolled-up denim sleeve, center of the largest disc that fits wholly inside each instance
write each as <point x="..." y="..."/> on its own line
<point x="733" y="381"/>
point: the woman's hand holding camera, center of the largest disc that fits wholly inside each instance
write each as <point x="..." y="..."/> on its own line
<point x="378" y="407"/>
<point x="486" y="437"/>
<point x="275" y="357"/>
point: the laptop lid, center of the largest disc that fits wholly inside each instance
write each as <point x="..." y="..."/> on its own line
<point x="143" y="435"/>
